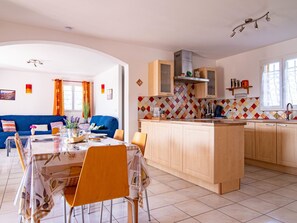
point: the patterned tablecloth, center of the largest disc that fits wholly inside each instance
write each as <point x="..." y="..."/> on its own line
<point x="54" y="164"/>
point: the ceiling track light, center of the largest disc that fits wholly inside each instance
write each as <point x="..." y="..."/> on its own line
<point x="35" y="62"/>
<point x="241" y="27"/>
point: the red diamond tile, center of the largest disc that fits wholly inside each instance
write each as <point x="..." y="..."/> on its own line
<point x="242" y="100"/>
<point x="256" y="115"/>
<point x="140" y="99"/>
<point x="254" y="106"/>
<point x="245" y="115"/>
<point x="162" y="105"/>
<point x="191" y="112"/>
<point x="151" y="99"/>
<point x="148" y="108"/>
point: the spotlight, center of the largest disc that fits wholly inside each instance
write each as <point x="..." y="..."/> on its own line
<point x="267" y="18"/>
<point x="256" y="25"/>
<point x="241" y="29"/>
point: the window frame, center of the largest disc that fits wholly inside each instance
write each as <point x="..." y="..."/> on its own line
<point x="73" y="85"/>
<point x="289" y="57"/>
<point x="263" y="63"/>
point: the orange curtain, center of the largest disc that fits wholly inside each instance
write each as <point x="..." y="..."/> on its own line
<point x="58" y="108"/>
<point x="88" y="95"/>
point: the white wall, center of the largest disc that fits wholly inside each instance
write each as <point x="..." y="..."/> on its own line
<point x="247" y="66"/>
<point x="111" y="80"/>
<point x="41" y="99"/>
<point x="135" y="58"/>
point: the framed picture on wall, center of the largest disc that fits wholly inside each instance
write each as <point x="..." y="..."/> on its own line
<point x="7" y="94"/>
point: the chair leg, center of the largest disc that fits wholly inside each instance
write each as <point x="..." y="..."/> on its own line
<point x="147" y="205"/>
<point x="110" y="215"/>
<point x="101" y="212"/>
<point x="20" y="219"/>
<point x="82" y="214"/>
<point x="70" y="213"/>
<point x="89" y="208"/>
<point x="73" y="212"/>
<point x="133" y="209"/>
<point x="65" y="218"/>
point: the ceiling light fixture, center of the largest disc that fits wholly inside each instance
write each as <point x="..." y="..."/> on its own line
<point x="35" y="62"/>
<point x="248" y="21"/>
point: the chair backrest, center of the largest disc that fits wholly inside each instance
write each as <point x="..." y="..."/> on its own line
<point x="119" y="134"/>
<point x="104" y="175"/>
<point x="55" y="130"/>
<point x="139" y="139"/>
<point x="20" y="150"/>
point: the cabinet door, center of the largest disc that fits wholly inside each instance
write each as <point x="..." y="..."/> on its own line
<point x="208" y="89"/>
<point x="249" y="140"/>
<point x="198" y="151"/>
<point x="162" y="140"/>
<point x="176" y="159"/>
<point x="286" y="144"/>
<point x="266" y="142"/>
<point x="160" y="78"/>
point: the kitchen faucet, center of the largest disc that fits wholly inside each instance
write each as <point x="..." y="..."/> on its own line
<point x="287" y="111"/>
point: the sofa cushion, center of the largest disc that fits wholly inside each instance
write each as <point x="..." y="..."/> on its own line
<point x="8" y="126"/>
<point x="40" y="127"/>
<point x="56" y="124"/>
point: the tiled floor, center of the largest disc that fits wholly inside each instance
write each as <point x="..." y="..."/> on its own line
<point x="265" y="196"/>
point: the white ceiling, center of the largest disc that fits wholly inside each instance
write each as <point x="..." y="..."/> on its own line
<point x="197" y="25"/>
<point x="56" y="59"/>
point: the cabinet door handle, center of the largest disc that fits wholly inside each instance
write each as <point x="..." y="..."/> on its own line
<point x="283" y="125"/>
<point x="270" y="124"/>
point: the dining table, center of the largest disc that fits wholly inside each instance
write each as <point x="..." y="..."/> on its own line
<point x="54" y="163"/>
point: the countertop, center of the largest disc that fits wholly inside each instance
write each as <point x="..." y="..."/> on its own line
<point x="222" y="121"/>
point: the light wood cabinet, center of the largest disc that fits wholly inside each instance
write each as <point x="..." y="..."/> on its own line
<point x="266" y="142"/>
<point x="176" y="147"/>
<point x="198" y="159"/>
<point x="207" y="155"/>
<point x="249" y="140"/>
<point x="160" y="78"/>
<point x="286" y="144"/>
<point x="207" y="89"/>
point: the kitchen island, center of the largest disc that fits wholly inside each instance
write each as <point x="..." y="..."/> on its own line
<point x="208" y="153"/>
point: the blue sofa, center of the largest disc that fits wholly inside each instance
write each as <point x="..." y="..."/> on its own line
<point x="109" y="124"/>
<point x="23" y="123"/>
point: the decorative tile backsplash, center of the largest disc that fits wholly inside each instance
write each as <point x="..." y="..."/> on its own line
<point x="184" y="105"/>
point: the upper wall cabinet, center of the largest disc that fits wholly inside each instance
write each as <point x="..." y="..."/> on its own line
<point x="207" y="89"/>
<point x="160" y="78"/>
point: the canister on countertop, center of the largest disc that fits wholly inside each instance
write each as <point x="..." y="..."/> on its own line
<point x="244" y="83"/>
<point x="238" y="83"/>
<point x="233" y="83"/>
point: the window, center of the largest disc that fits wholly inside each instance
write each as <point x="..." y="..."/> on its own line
<point x="72" y="97"/>
<point x="279" y="84"/>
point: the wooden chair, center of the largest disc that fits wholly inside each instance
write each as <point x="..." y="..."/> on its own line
<point x="20" y="149"/>
<point x="104" y="176"/>
<point x="119" y="135"/>
<point x="139" y="139"/>
<point x="55" y="130"/>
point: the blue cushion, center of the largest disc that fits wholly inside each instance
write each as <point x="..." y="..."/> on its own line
<point x="111" y="124"/>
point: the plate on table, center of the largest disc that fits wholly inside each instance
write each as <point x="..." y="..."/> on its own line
<point x="97" y="135"/>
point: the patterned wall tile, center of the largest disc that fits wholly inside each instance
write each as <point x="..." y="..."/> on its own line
<point x="184" y="105"/>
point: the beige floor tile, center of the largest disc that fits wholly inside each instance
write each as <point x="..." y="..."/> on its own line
<point x="194" y="192"/>
<point x="275" y="199"/>
<point x="284" y="215"/>
<point x="11" y="217"/>
<point x="292" y="206"/>
<point x="215" y="201"/>
<point x="193" y="207"/>
<point x="179" y="184"/>
<point x="165" y="199"/>
<point x="236" y="196"/>
<point x="279" y="180"/>
<point x="166" y="178"/>
<point x="215" y="217"/>
<point x="247" y="180"/>
<point x="258" y="205"/>
<point x="264" y="219"/>
<point x="286" y="193"/>
<point x="250" y="190"/>
<point x="239" y="212"/>
<point x="291" y="186"/>
<point x="256" y="175"/>
<point x="264" y="185"/>
<point x="269" y="173"/>
<point x="189" y="220"/>
<point x="159" y="188"/>
<point x="249" y="168"/>
<point x="169" y="214"/>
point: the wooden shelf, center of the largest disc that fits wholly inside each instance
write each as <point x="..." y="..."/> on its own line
<point x="235" y="88"/>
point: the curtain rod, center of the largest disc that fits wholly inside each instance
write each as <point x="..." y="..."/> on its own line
<point x="71" y="81"/>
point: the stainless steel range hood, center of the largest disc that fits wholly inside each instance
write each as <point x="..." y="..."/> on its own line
<point x="183" y="70"/>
